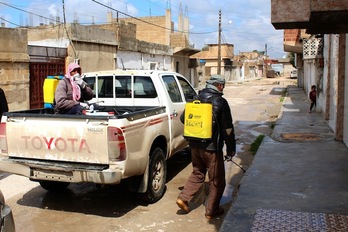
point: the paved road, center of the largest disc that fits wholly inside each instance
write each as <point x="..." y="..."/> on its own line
<point x="84" y="207"/>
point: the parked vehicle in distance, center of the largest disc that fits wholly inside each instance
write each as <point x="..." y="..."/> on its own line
<point x="7" y="222"/>
<point x="293" y="74"/>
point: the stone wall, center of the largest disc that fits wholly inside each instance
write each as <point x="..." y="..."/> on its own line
<point x="14" y="67"/>
<point x="151" y="29"/>
<point x="131" y="44"/>
<point x="179" y="40"/>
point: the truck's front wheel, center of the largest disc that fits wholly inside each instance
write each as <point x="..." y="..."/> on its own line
<point x="157" y="177"/>
<point x="54" y="186"/>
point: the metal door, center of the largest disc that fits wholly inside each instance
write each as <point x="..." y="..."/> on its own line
<point x="44" y="61"/>
<point x="38" y="72"/>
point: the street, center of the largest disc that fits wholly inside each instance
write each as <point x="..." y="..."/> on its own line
<point x="255" y="107"/>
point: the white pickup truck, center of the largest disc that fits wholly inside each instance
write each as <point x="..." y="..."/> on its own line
<point x="135" y="130"/>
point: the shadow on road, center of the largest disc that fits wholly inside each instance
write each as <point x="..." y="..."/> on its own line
<point x="88" y="198"/>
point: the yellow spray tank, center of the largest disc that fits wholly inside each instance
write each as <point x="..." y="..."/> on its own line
<point x="49" y="87"/>
<point x="198" y="120"/>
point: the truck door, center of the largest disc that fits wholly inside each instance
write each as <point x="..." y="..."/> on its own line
<point x="179" y="91"/>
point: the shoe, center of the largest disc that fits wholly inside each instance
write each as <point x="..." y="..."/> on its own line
<point x="220" y="211"/>
<point x="183" y="205"/>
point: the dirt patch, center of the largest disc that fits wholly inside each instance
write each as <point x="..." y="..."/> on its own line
<point x="305" y="137"/>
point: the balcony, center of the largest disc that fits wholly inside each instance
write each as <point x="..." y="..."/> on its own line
<point x="316" y="16"/>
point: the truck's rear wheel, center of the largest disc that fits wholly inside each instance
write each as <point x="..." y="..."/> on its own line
<point x="157" y="177"/>
<point x="54" y="186"/>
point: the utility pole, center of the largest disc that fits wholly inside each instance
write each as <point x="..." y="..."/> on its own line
<point x="266" y="63"/>
<point x="219" y="46"/>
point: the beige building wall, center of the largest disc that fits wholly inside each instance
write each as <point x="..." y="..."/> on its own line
<point x="156" y="29"/>
<point x="179" y="40"/>
<point x="14" y="67"/>
<point x="210" y="56"/>
<point x="227" y="52"/>
<point x="96" y="47"/>
<point x="93" y="47"/>
<point x="248" y="55"/>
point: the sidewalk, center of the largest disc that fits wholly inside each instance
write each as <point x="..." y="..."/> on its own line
<point x="298" y="180"/>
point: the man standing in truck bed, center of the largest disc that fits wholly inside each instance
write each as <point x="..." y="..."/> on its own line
<point x="207" y="156"/>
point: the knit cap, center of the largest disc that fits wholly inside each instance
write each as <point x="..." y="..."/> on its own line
<point x="216" y="79"/>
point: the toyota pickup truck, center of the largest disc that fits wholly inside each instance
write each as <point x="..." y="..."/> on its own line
<point x="130" y="135"/>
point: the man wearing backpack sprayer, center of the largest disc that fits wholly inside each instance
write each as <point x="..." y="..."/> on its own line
<point x="207" y="155"/>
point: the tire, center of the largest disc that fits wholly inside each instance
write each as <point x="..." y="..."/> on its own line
<point x="54" y="186"/>
<point x="157" y="177"/>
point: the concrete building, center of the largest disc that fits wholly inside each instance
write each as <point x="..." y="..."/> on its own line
<point x="317" y="33"/>
<point x="160" y="30"/>
<point x="250" y="65"/>
<point x="209" y="57"/>
<point x="93" y="47"/>
<point x="14" y="67"/>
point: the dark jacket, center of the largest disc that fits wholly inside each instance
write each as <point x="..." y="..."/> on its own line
<point x="3" y="103"/>
<point x="223" y="130"/>
<point x="313" y="96"/>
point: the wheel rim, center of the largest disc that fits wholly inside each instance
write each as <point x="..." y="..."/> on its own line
<point x="157" y="177"/>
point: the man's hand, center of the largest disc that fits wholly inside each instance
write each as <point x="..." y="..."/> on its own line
<point x="84" y="106"/>
<point x="229" y="155"/>
<point x="78" y="80"/>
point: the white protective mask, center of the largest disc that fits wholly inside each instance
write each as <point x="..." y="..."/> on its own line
<point x="76" y="77"/>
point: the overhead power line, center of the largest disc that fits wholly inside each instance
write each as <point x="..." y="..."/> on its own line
<point x="144" y="21"/>
<point x="28" y="12"/>
<point x="9" y="22"/>
<point x="139" y="19"/>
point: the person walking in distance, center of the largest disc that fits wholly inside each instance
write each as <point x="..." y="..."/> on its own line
<point x="207" y="156"/>
<point x="313" y="98"/>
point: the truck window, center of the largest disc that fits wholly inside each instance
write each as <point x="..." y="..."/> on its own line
<point x="189" y="92"/>
<point x="122" y="86"/>
<point x="172" y="88"/>
<point x="144" y="87"/>
<point x="104" y="86"/>
<point x="91" y="82"/>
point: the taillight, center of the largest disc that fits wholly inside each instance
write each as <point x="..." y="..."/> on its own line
<point x="3" y="141"/>
<point x="116" y="143"/>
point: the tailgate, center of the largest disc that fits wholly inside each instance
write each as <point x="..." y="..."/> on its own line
<point x="63" y="139"/>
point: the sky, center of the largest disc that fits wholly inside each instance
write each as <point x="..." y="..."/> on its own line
<point x="245" y="23"/>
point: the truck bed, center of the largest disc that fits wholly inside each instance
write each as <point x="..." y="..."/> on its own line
<point x="116" y="112"/>
<point x="40" y="134"/>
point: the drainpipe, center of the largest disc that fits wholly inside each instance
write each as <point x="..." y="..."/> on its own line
<point x="340" y="87"/>
<point x="328" y="81"/>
